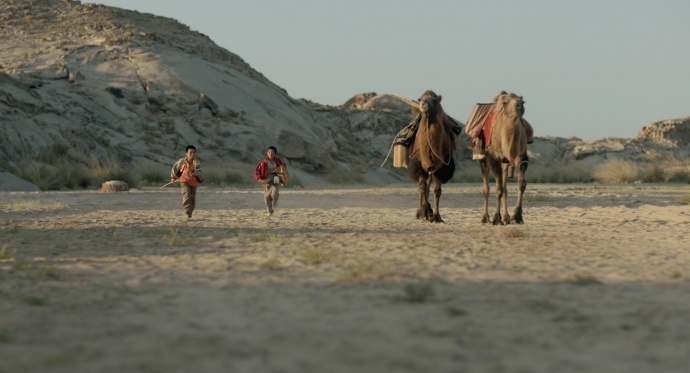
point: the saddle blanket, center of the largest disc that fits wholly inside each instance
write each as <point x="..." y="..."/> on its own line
<point x="481" y="123"/>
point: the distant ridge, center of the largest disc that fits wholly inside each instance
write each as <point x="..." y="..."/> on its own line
<point x="100" y="87"/>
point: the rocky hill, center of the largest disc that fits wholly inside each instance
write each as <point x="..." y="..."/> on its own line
<point x="94" y="88"/>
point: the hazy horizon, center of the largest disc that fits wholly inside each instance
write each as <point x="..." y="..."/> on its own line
<point x="586" y="69"/>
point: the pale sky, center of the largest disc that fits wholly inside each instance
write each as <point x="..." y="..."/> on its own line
<point x="590" y="69"/>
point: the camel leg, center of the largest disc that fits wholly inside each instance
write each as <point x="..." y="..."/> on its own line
<point x="437" y="198"/>
<point x="428" y="212"/>
<point x="421" y="184"/>
<point x="498" y="173"/>
<point x="522" y="185"/>
<point x="504" y="197"/>
<point x="424" y="209"/>
<point x="484" y="164"/>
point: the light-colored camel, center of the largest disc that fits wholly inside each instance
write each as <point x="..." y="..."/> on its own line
<point x="508" y="150"/>
<point x="432" y="155"/>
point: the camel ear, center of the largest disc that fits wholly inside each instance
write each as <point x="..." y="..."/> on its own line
<point x="439" y="98"/>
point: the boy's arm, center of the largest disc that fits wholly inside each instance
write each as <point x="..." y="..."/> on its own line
<point x="258" y="173"/>
<point x="197" y="172"/>
<point x="175" y="172"/>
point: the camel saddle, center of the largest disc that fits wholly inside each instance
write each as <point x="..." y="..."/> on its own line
<point x="406" y="135"/>
<point x="480" y="125"/>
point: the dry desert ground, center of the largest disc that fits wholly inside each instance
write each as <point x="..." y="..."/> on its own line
<point x="345" y="280"/>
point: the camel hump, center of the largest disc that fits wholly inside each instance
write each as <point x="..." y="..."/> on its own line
<point x="529" y="131"/>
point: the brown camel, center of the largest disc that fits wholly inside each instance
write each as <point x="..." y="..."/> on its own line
<point x="431" y="156"/>
<point x="508" y="149"/>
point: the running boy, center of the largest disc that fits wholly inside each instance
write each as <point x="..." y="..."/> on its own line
<point x="266" y="173"/>
<point x="188" y="170"/>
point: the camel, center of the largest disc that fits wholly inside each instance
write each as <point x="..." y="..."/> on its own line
<point x="508" y="149"/>
<point x="431" y="156"/>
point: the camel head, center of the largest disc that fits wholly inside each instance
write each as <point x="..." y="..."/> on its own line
<point x="512" y="104"/>
<point x="430" y="104"/>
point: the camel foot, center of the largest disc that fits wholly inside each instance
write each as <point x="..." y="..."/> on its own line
<point x="506" y="220"/>
<point x="517" y="218"/>
<point x="436" y="219"/>
<point x="485" y="219"/>
<point x="496" y="220"/>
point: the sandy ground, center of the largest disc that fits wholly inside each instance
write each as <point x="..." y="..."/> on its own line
<point x="345" y="280"/>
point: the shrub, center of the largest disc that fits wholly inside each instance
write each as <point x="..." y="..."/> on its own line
<point x="56" y="153"/>
<point x="35" y="301"/>
<point x="679" y="176"/>
<point x="223" y="177"/>
<point x="557" y="172"/>
<point x="4" y="255"/>
<point x="467" y="172"/>
<point x="43" y="176"/>
<point x="346" y="178"/>
<point x="152" y="176"/>
<point x="417" y="293"/>
<point x="74" y="176"/>
<point x="117" y="92"/>
<point x="549" y="172"/>
<point x="654" y="173"/>
<point x="584" y="280"/>
<point x="102" y="172"/>
<point x="271" y="263"/>
<point x="173" y="239"/>
<point x="315" y="255"/>
<point x="684" y="200"/>
<point x="615" y="171"/>
<point x="360" y="271"/>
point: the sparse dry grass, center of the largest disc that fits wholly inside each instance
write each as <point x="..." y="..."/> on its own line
<point x="259" y="237"/>
<point x="684" y="200"/>
<point x="10" y="226"/>
<point x="271" y="263"/>
<point x="653" y="173"/>
<point x="6" y="336"/>
<point x="30" y="269"/>
<point x="173" y="238"/>
<point x="537" y="198"/>
<point x="558" y="172"/>
<point x="584" y="280"/>
<point x="363" y="271"/>
<point x="615" y="171"/>
<point x="346" y="178"/>
<point x="512" y="232"/>
<point x="417" y="293"/>
<point x="152" y="176"/>
<point x="315" y="255"/>
<point x="101" y="172"/>
<point x="33" y="300"/>
<point x="4" y="254"/>
<point x="224" y="177"/>
<point x="35" y="205"/>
